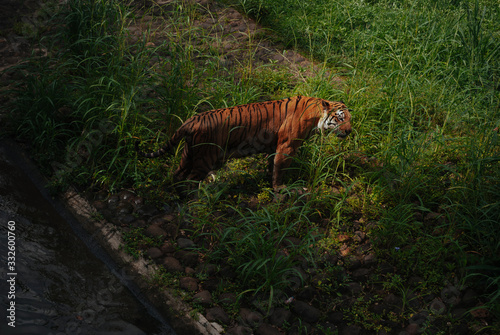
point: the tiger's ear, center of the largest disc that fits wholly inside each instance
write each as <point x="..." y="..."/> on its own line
<point x="326" y="104"/>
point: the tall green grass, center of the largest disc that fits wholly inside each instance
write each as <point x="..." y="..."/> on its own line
<point x="421" y="77"/>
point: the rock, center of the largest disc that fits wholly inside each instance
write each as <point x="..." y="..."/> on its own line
<point x="251" y="318"/>
<point x="167" y="247"/>
<point x="147" y="210"/>
<point x="280" y="317"/>
<point x="395" y="302"/>
<point x="437" y="306"/>
<point x="228" y="272"/>
<point x="185" y="243"/>
<point x="207" y="268"/>
<point x="126" y="195"/>
<point x="326" y="328"/>
<point x="458" y="313"/>
<point x="300" y="328"/>
<point x="240" y="330"/>
<point x="99" y="205"/>
<point x="413" y="329"/>
<point x="370" y="259"/>
<point x="188" y="284"/>
<point x="113" y="201"/>
<point x="137" y="202"/>
<point x="330" y="259"/>
<point x="307" y="293"/>
<point x="385" y="268"/>
<point x="361" y="273"/>
<point x="335" y="317"/>
<point x="169" y="218"/>
<point x="470" y="298"/>
<point x="203" y="297"/>
<point x="227" y="298"/>
<point x="359" y="236"/>
<point x="172" y="265"/>
<point x="354" y="288"/>
<point x="126" y="220"/>
<point x="211" y="284"/>
<point x="350" y="330"/>
<point x="155" y="231"/>
<point x="171" y="229"/>
<point x="154" y="253"/>
<point x="306" y="312"/>
<point x="217" y="314"/>
<point x="419" y="318"/>
<point x="157" y="222"/>
<point x="352" y="262"/>
<point x="460" y="329"/>
<point x="450" y="295"/>
<point x="266" y="329"/>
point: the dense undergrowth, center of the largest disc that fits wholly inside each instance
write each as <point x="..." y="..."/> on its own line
<point x="420" y="173"/>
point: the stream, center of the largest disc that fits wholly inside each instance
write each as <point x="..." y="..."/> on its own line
<point x="55" y="279"/>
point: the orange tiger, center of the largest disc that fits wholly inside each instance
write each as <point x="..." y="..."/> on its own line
<point x="276" y="127"/>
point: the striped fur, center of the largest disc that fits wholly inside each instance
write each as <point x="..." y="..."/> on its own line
<point x="274" y="127"/>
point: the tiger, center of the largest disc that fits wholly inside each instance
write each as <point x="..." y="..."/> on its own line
<point x="276" y="128"/>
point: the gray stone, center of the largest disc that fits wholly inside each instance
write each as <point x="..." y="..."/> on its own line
<point x="437" y="306"/>
<point x="266" y="329"/>
<point x="147" y="210"/>
<point x="217" y="314"/>
<point x="251" y="318"/>
<point x="395" y="302"/>
<point x="172" y="265"/>
<point x="113" y="201"/>
<point x="361" y="273"/>
<point x="326" y="328"/>
<point x="335" y="317"/>
<point x="240" y="330"/>
<point x="280" y="316"/>
<point x="306" y="312"/>
<point x="188" y="258"/>
<point x="167" y="247"/>
<point x="469" y="298"/>
<point x="126" y="220"/>
<point x="207" y="268"/>
<point x="370" y="259"/>
<point x="350" y="330"/>
<point x="126" y="195"/>
<point x="154" y="253"/>
<point x="99" y="205"/>
<point x="185" y="243"/>
<point x="188" y="284"/>
<point x="204" y="298"/>
<point x="227" y="298"/>
<point x="413" y="329"/>
<point x="450" y="295"/>
<point x="354" y="288"/>
<point x="155" y="231"/>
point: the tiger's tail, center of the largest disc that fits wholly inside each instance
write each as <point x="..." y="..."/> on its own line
<point x="163" y="150"/>
<point x="167" y="147"/>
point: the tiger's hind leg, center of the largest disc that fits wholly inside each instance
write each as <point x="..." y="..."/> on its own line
<point x="183" y="171"/>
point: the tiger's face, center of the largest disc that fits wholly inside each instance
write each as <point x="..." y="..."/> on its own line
<point x="336" y="117"/>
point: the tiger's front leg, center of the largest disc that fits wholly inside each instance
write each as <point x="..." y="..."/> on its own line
<point x="282" y="161"/>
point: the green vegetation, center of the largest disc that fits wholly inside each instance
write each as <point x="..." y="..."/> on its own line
<point x="420" y="174"/>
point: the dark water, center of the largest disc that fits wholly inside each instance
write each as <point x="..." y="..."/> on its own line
<point x="60" y="283"/>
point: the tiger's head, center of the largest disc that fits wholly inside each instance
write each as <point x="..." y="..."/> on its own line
<point x="336" y="117"/>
